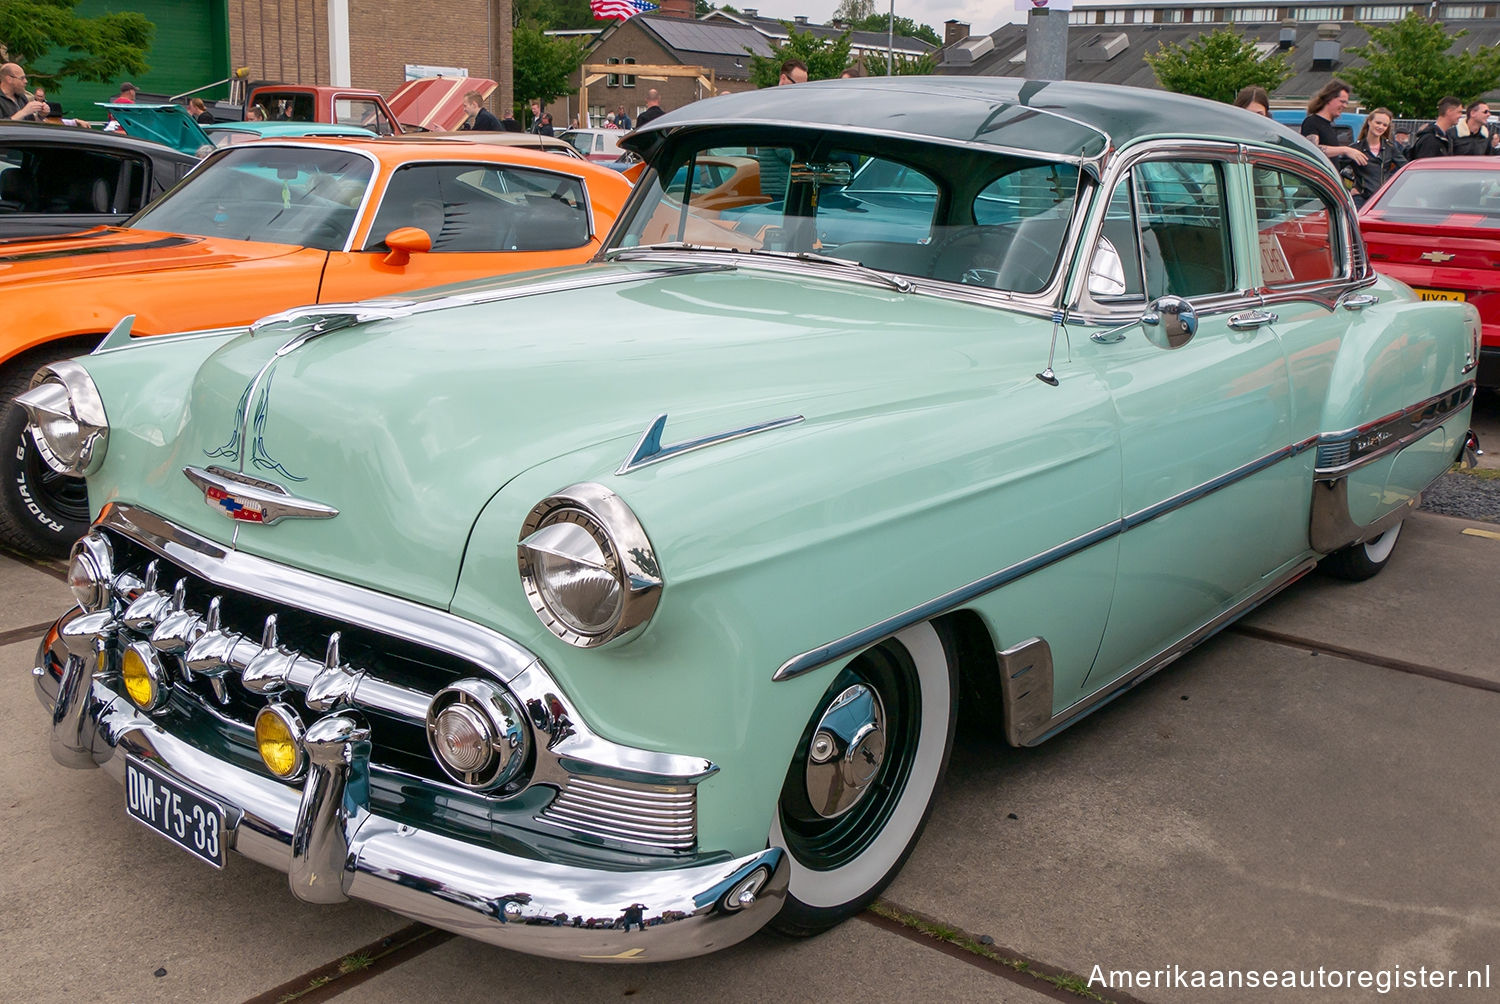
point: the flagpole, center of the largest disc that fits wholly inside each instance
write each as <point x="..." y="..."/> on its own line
<point x="890" y="42"/>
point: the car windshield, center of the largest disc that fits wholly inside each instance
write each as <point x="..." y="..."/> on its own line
<point x="281" y="195"/>
<point x="1434" y="196"/>
<point x="921" y="210"/>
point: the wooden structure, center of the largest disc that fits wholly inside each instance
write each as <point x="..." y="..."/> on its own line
<point x="594" y="72"/>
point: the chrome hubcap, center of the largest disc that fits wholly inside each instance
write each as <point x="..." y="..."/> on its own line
<point x="846" y="751"/>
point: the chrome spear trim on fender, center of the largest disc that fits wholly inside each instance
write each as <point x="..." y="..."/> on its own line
<point x="251" y="500"/>
<point x="649" y="449"/>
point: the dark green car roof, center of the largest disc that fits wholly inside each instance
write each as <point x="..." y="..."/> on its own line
<point x="1052" y="119"/>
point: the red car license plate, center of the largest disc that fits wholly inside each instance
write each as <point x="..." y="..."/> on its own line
<point x="192" y="822"/>
<point x="1439" y="294"/>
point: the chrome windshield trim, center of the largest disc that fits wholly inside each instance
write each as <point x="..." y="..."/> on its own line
<point x="649" y="449"/>
<point x="851" y="643"/>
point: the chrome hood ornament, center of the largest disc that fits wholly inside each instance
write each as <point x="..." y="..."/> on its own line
<point x="251" y="500"/>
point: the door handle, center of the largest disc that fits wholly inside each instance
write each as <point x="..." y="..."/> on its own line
<point x="1251" y="319"/>
<point x="1359" y="301"/>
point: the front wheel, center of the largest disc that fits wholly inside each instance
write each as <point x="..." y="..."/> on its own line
<point x="861" y="785"/>
<point x="1358" y="562"/>
<point x="42" y="512"/>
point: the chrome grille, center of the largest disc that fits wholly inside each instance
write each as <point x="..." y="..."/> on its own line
<point x="659" y="816"/>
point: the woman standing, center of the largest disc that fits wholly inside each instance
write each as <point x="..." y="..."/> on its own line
<point x="1384" y="156"/>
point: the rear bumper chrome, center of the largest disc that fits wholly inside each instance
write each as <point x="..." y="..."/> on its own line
<point x="322" y="834"/>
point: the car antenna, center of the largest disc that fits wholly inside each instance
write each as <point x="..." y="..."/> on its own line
<point x="1046" y="376"/>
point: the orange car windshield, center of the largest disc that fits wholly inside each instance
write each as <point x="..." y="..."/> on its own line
<point x="280" y="195"/>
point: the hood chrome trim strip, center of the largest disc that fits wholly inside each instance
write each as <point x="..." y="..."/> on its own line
<point x="649" y="449"/>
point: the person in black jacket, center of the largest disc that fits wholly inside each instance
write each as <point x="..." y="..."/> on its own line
<point x="653" y="109"/>
<point x="480" y="119"/>
<point x="1324" y="107"/>
<point x="1384" y="156"/>
<point x="1472" y="137"/>
<point x="1436" y="139"/>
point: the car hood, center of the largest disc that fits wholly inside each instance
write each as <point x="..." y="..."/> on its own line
<point x="169" y="125"/>
<point x="116" y="251"/>
<point x="409" y="426"/>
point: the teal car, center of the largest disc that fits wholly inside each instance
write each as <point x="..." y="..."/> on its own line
<point x="222" y="134"/>
<point x="622" y="639"/>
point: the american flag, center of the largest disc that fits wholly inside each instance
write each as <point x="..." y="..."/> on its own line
<point x="605" y="10"/>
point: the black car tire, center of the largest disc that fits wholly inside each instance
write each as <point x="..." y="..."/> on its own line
<point x="41" y="512"/>
<point x="1362" y="561"/>
<point x="838" y="866"/>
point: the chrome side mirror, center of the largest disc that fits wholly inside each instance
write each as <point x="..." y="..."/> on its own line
<point x="1170" y="322"/>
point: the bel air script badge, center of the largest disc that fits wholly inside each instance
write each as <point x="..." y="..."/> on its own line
<point x="251" y="500"/>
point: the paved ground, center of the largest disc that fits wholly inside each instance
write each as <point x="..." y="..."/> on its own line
<point x="1314" y="788"/>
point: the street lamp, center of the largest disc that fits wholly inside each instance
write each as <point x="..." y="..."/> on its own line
<point x="890" y="42"/>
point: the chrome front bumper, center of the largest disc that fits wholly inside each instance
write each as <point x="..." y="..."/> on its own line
<point x="332" y="847"/>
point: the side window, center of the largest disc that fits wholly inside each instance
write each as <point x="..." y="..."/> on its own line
<point x="1293" y="220"/>
<point x="476" y="207"/>
<point x="1115" y="268"/>
<point x="361" y="112"/>
<point x="284" y="106"/>
<point x="65" y="180"/>
<point x="1184" y="244"/>
<point x="16" y="185"/>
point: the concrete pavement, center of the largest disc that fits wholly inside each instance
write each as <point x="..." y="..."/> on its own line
<point x="1263" y="803"/>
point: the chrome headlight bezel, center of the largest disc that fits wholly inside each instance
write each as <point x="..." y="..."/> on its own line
<point x="624" y="552"/>
<point x="91" y="572"/>
<point x="66" y="419"/>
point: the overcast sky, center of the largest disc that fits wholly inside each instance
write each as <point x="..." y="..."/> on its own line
<point x="984" y="16"/>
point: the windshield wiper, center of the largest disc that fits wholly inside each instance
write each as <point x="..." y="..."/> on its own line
<point x="896" y="282"/>
<point x="669" y="246"/>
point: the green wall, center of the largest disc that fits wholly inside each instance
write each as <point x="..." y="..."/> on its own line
<point x="190" y="49"/>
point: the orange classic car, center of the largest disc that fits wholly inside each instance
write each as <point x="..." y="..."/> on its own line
<point x="267" y="226"/>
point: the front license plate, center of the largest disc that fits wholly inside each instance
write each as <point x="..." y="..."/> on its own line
<point x="192" y="822"/>
<point x="1439" y="294"/>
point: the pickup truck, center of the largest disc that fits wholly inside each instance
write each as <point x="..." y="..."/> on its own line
<point x="322" y="103"/>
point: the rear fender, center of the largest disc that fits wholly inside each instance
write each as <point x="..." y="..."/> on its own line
<point x="1399" y="399"/>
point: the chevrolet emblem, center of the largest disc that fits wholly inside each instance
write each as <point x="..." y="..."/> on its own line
<point x="1436" y="257"/>
<point x="251" y="500"/>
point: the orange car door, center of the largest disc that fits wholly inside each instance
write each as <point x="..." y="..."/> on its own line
<point x="480" y="220"/>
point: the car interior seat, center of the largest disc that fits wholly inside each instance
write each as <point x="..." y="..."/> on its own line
<point x="17" y="193"/>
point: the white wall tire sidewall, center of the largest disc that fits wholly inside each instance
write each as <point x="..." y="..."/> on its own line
<point x="834" y="888"/>
<point x="1379" y="549"/>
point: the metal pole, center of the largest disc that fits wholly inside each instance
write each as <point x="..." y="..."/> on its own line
<point x="890" y="42"/>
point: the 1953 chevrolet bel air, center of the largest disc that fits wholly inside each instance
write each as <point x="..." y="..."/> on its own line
<point x="622" y="640"/>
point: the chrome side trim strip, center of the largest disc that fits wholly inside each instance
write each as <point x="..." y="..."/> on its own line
<point x="1166" y="656"/>
<point x="1329" y="525"/>
<point x="1165" y="506"/>
<point x="649" y="449"/>
<point x="1341" y="452"/>
<point x="850" y="643"/>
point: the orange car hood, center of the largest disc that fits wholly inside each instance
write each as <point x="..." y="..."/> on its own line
<point x="106" y="251"/>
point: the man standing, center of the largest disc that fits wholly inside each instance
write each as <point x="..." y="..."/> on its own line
<point x="1436" y="139"/>
<point x="480" y="118"/>
<point x="652" y="110"/>
<point x="1472" y="137"/>
<point x="793" y="71"/>
<point x="1325" y="106"/>
<point x="126" y="95"/>
<point x="15" y="103"/>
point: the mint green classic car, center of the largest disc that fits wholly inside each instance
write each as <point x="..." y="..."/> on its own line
<point x="618" y="611"/>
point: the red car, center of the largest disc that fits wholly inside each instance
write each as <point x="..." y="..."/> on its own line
<point x="1436" y="227"/>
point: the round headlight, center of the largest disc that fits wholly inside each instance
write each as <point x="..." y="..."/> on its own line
<point x="278" y="737"/>
<point x="90" y="570"/>
<point x="65" y="415"/>
<point x="478" y="734"/>
<point x="588" y="568"/>
<point x="144" y="676"/>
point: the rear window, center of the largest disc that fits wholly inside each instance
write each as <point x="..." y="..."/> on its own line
<point x="1435" y="196"/>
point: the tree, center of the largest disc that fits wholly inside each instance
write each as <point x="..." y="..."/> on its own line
<point x="1216" y="66"/>
<point x="543" y="64"/>
<point x="100" y="49"/>
<point x="1409" y="69"/>
<point x="825" y="58"/>
<point x="553" y="14"/>
<point x="850" y="11"/>
<point x="904" y="26"/>
<point x="903" y="65"/>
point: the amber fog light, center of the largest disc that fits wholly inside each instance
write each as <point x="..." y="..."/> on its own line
<point x="278" y="737"/>
<point x="144" y="676"/>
